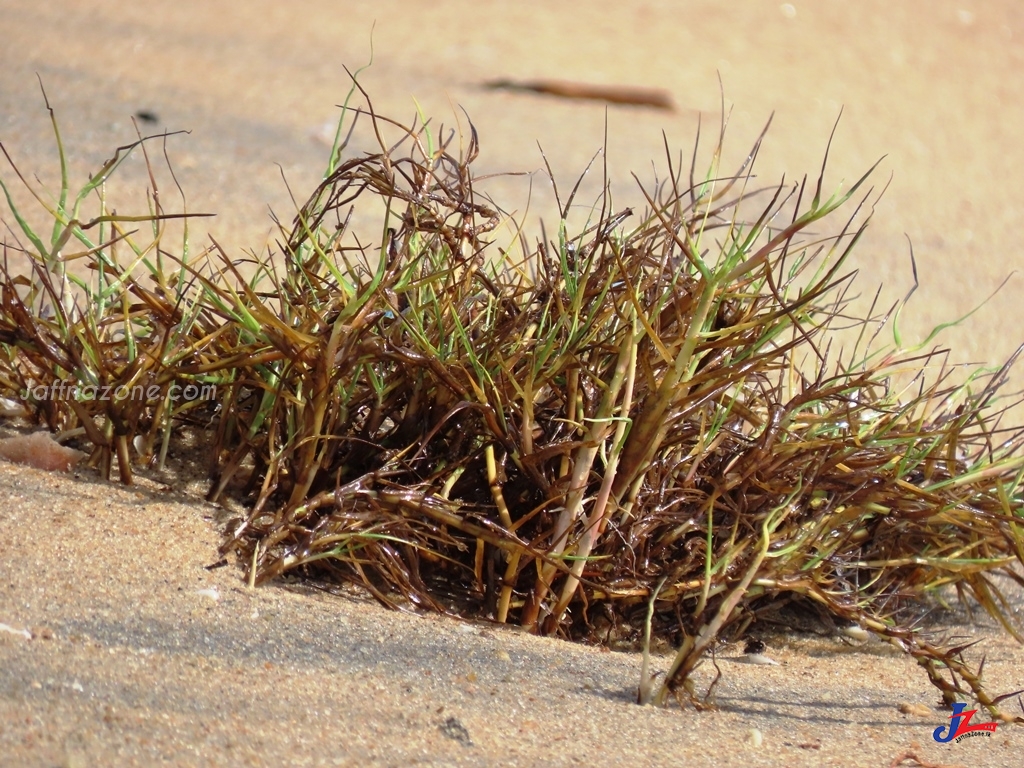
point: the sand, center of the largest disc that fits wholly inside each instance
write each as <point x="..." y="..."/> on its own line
<point x="127" y="650"/>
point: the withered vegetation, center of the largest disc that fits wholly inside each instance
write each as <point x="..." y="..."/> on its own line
<point x="665" y="421"/>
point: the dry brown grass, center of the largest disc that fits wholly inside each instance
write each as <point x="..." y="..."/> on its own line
<point x="643" y="425"/>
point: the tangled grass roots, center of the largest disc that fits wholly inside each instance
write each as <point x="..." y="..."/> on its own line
<point x="622" y="427"/>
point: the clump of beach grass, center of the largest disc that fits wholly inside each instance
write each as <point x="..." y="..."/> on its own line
<point x="660" y="422"/>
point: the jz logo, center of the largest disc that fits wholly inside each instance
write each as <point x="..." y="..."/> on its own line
<point x="960" y="726"/>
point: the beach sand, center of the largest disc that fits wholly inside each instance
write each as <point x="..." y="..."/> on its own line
<point x="122" y="648"/>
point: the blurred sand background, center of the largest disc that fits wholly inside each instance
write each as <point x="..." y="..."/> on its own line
<point x="139" y="668"/>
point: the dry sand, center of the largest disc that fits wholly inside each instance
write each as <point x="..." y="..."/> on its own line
<point x="139" y="655"/>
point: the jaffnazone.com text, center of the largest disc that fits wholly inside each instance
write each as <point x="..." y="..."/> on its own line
<point x="83" y="392"/>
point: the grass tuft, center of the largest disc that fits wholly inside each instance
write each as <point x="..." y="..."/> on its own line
<point x="644" y="425"/>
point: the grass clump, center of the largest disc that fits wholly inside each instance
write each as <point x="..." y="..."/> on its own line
<point x="99" y="330"/>
<point x="644" y="424"/>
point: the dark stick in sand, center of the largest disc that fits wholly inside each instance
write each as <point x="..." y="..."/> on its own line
<point x="613" y="94"/>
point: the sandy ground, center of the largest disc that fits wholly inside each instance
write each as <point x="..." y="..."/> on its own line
<point x="141" y="656"/>
<point x="133" y="660"/>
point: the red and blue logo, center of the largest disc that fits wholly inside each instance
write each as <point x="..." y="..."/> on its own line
<point x="960" y="726"/>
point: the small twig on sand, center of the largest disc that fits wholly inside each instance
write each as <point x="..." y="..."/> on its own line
<point x="919" y="763"/>
<point x="613" y="94"/>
